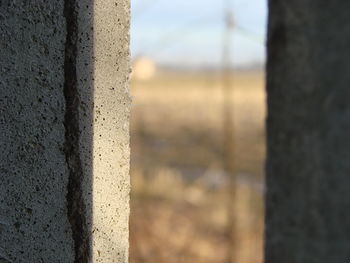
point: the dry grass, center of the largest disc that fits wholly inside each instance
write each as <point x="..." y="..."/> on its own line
<point x="180" y="196"/>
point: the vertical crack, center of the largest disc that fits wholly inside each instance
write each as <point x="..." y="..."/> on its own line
<point x="76" y="208"/>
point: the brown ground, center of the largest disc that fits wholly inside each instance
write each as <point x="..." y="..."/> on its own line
<point x="180" y="202"/>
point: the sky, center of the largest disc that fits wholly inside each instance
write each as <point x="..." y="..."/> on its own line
<point x="189" y="33"/>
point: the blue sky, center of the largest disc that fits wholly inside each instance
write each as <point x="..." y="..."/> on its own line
<point x="189" y="32"/>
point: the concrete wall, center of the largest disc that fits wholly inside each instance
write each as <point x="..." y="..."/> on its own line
<point x="64" y="110"/>
<point x="308" y="168"/>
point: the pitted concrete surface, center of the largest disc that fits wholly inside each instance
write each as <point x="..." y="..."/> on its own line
<point x="39" y="219"/>
<point x="111" y="131"/>
<point x="33" y="170"/>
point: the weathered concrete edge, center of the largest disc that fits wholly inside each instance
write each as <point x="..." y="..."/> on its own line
<point x="76" y="209"/>
<point x="111" y="181"/>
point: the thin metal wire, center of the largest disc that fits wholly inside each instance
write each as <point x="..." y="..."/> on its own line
<point x="173" y="37"/>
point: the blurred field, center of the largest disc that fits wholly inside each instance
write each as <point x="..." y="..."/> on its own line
<point x="180" y="201"/>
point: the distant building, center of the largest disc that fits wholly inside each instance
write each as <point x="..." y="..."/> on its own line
<point x="143" y="68"/>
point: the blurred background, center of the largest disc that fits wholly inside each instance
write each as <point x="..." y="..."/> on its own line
<point x="197" y="131"/>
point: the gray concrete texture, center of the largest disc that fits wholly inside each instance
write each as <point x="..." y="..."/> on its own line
<point x="308" y="128"/>
<point x="64" y="131"/>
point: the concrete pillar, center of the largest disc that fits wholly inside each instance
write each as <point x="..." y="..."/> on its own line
<point x="308" y="167"/>
<point x="64" y="131"/>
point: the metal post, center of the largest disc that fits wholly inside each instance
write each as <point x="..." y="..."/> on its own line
<point x="228" y="127"/>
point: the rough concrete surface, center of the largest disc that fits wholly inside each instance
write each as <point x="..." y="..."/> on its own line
<point x="110" y="148"/>
<point x="64" y="111"/>
<point x="34" y="175"/>
<point x="308" y="200"/>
